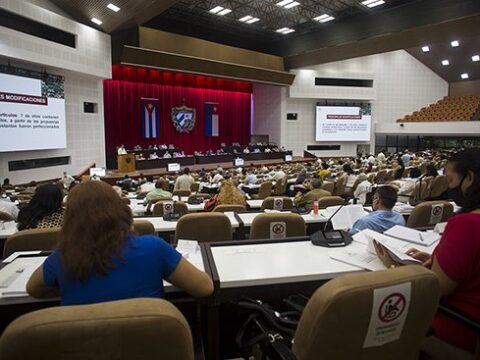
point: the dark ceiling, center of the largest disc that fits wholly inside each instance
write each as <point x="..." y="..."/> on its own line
<point x="459" y="58"/>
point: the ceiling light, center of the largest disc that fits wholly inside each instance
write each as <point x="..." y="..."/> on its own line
<point x="292" y="5"/>
<point x="464" y="76"/>
<point x="96" y="21"/>
<point x="425" y="49"/>
<point x="113" y="7"/>
<point x="285" y="30"/>
<point x="455" y="43"/>
<point x="254" y="20"/>
<point x="373" y="3"/>
<point x="445" y="62"/>
<point x="284" y="2"/>
<point x="245" y="18"/>
<point x="224" y="12"/>
<point x="216" y="9"/>
<point x="324" y="18"/>
<point x="475" y="58"/>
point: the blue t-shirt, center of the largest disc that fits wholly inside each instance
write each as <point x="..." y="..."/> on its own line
<point x="147" y="261"/>
<point x="379" y="221"/>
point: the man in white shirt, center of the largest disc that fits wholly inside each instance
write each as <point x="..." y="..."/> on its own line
<point x="121" y="150"/>
<point x="218" y="177"/>
<point x="381" y="157"/>
<point x="363" y="188"/>
<point x="246" y="151"/>
<point x="153" y="156"/>
<point x="8" y="207"/>
<point x="185" y="181"/>
<point x="167" y="155"/>
<point x="371" y="159"/>
<point x="279" y="173"/>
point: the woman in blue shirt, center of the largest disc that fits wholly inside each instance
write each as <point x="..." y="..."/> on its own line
<point x="100" y="259"/>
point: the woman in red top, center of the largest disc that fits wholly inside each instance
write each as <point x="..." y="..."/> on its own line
<point x="456" y="259"/>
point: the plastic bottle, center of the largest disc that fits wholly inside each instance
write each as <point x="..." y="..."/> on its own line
<point x="315" y="206"/>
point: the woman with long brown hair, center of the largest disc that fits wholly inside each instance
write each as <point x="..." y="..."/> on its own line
<point x="228" y="195"/>
<point x="100" y="259"/>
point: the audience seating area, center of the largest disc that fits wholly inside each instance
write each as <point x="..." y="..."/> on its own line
<point x="450" y="108"/>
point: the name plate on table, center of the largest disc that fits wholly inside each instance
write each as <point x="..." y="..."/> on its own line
<point x="173" y="167"/>
<point x="239" y="162"/>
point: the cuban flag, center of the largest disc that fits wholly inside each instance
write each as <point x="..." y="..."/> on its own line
<point x="150" y="128"/>
<point x="211" y="119"/>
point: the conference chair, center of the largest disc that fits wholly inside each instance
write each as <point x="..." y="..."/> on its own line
<point x="269" y="203"/>
<point x="6" y="217"/>
<point x="264" y="191"/>
<point x="182" y="192"/>
<point x="146" y="329"/>
<point x="143" y="227"/>
<point x="340" y="186"/>
<point x="229" y="208"/>
<point x="421" y="191"/>
<point x="336" y="321"/>
<point x="277" y="225"/>
<point x="280" y="187"/>
<point x="438" y="187"/>
<point x="381" y="177"/>
<point x="327" y="201"/>
<point x="204" y="227"/>
<point x="427" y="214"/>
<point x="31" y="239"/>
<point x="328" y="186"/>
<point x="178" y="207"/>
<point x="195" y="187"/>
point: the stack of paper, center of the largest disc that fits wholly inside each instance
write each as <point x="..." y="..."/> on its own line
<point x="190" y="250"/>
<point x="413" y="236"/>
<point x="15" y="275"/>
<point x="347" y="216"/>
<point x="403" y="208"/>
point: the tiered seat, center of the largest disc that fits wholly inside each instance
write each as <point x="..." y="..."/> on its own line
<point x="450" y="108"/>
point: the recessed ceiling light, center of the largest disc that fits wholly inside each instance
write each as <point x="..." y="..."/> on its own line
<point x="445" y="62"/>
<point x="245" y="18"/>
<point x="284" y="2"/>
<point x="475" y="58"/>
<point x="292" y="5"/>
<point x="216" y="9"/>
<point x="464" y="76"/>
<point x="96" y="21"/>
<point x="425" y="49"/>
<point x="224" y="12"/>
<point x="324" y="18"/>
<point x="373" y="3"/>
<point x="113" y="7"/>
<point x="285" y="30"/>
<point x="455" y="43"/>
<point x="254" y="20"/>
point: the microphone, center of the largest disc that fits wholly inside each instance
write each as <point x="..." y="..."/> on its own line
<point x="334" y="213"/>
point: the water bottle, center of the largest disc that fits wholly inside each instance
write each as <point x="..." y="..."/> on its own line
<point x="315" y="206"/>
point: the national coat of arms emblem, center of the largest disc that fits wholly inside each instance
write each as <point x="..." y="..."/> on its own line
<point x="183" y="118"/>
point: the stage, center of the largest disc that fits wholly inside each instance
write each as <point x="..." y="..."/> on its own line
<point x="113" y="175"/>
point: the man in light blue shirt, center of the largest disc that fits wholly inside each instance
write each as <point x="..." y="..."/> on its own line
<point x="383" y="218"/>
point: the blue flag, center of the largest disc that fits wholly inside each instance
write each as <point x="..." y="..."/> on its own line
<point x="150" y="126"/>
<point x="211" y="119"/>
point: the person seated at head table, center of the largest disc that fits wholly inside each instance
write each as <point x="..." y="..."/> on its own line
<point x="246" y="150"/>
<point x="167" y="155"/>
<point x="158" y="191"/>
<point x="7" y="206"/>
<point x="382" y="217"/>
<point x="268" y="150"/>
<point x="456" y="258"/>
<point x="315" y="192"/>
<point x="121" y="150"/>
<point x="185" y="181"/>
<point x="110" y="262"/>
<point x="44" y="210"/>
<point x="256" y="150"/>
<point x="228" y="195"/>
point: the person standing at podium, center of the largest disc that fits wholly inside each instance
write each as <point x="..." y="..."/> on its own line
<point x="121" y="150"/>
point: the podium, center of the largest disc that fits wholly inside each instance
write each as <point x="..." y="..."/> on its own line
<point x="126" y="163"/>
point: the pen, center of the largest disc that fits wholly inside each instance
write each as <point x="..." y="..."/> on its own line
<point x="421" y="237"/>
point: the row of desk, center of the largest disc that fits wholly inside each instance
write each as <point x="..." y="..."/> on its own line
<point x="265" y="269"/>
<point x="208" y="159"/>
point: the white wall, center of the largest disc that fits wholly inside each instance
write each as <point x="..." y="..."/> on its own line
<point x="84" y="68"/>
<point x="401" y="85"/>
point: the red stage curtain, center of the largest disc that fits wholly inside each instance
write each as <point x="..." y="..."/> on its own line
<point x="123" y="116"/>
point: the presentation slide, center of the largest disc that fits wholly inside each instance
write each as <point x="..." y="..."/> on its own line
<point x="32" y="111"/>
<point x="342" y="123"/>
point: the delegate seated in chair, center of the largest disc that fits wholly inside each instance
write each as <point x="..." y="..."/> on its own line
<point x="108" y="262"/>
<point x="456" y="259"/>
<point x="382" y="218"/>
<point x="307" y="199"/>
